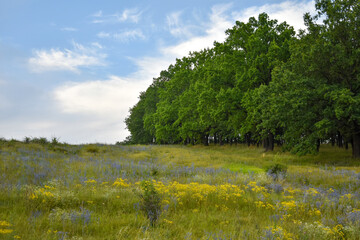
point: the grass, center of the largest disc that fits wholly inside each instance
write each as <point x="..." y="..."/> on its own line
<point x="58" y="191"/>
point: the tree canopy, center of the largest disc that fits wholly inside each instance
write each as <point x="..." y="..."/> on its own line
<point x="264" y="84"/>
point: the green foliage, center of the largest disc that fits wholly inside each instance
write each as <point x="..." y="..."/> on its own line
<point x="263" y="85"/>
<point x="277" y="171"/>
<point x="92" y="148"/>
<point x="150" y="202"/>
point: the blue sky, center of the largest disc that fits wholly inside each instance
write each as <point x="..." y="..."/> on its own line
<point x="72" y="69"/>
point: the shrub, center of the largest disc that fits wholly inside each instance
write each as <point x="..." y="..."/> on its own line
<point x="277" y="171"/>
<point x="150" y="202"/>
<point x="92" y="149"/>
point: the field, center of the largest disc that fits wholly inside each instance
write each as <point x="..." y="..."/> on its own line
<point x="59" y="191"/>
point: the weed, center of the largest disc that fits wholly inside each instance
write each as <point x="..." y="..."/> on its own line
<point x="277" y="171"/>
<point x="150" y="202"/>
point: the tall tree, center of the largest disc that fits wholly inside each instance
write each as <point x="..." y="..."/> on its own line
<point x="330" y="53"/>
<point x="264" y="44"/>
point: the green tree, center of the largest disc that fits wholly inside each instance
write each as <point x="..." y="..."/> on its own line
<point x="263" y="44"/>
<point x="329" y="55"/>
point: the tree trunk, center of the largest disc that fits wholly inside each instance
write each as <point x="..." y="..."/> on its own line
<point x="221" y="142"/>
<point x="340" y="140"/>
<point x="248" y="138"/>
<point x="332" y="140"/>
<point x="270" y="141"/>
<point x="356" y="145"/>
<point x="206" y="140"/>
<point x="318" y="145"/>
<point x="265" y="143"/>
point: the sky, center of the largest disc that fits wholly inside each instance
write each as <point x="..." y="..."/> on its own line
<point x="72" y="69"/>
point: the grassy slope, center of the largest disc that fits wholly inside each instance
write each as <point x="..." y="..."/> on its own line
<point x="67" y="192"/>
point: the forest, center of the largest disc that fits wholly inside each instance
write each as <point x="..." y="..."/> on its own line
<point x="266" y="84"/>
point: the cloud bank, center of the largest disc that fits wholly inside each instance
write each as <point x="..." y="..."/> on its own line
<point x="66" y="60"/>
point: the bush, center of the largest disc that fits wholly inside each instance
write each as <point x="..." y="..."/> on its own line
<point x="150" y="202"/>
<point x="277" y="171"/>
<point x="92" y="149"/>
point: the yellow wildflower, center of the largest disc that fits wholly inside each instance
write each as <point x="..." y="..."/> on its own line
<point x="312" y="191"/>
<point x="346" y="196"/>
<point x="49" y="187"/>
<point x="168" y="221"/>
<point x="6" y="231"/>
<point x="90" y="181"/>
<point x="48" y="194"/>
<point x="119" y="182"/>
<point x="288" y="204"/>
<point x="5" y="224"/>
<point x="330" y="190"/>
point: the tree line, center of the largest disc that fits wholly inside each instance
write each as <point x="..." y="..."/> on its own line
<point x="265" y="84"/>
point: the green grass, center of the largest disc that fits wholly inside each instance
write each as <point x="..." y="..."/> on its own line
<point x="59" y="191"/>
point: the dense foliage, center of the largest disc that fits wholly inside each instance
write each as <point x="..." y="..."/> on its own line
<point x="263" y="84"/>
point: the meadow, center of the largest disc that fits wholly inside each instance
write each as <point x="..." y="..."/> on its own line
<point x="60" y="191"/>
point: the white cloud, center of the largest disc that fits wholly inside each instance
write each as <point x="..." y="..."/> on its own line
<point x="124" y="36"/>
<point x="98" y="45"/>
<point x="66" y="60"/>
<point x="175" y="25"/>
<point x="290" y="11"/>
<point x="97" y="108"/>
<point x="128" y="15"/>
<point x="69" y="29"/>
<point x="215" y="31"/>
<point x="109" y="98"/>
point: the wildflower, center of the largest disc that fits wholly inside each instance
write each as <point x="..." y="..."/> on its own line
<point x="168" y="221"/>
<point x="330" y="190"/>
<point x="6" y="231"/>
<point x="48" y="194"/>
<point x="346" y="196"/>
<point x="17" y="237"/>
<point x="317" y="212"/>
<point x="338" y="231"/>
<point x="33" y="196"/>
<point x="288" y="204"/>
<point x="90" y="181"/>
<point x="5" y="224"/>
<point x="119" y="182"/>
<point x="312" y="191"/>
<point x="48" y="187"/>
